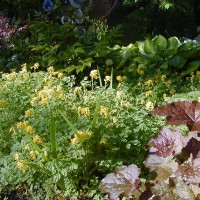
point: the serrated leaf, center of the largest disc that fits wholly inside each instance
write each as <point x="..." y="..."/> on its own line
<point x="181" y="112"/>
<point x="189" y="171"/>
<point x="168" y="142"/>
<point x="161" y="43"/>
<point x="123" y="181"/>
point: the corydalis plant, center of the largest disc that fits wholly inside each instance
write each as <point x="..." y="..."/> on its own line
<point x="174" y="158"/>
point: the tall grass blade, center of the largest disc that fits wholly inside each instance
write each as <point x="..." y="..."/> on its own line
<point x="100" y="79"/>
<point x="96" y="113"/>
<point x="53" y="135"/>
<point x="70" y="124"/>
<point x="111" y="79"/>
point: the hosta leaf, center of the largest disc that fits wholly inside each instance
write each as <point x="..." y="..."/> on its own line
<point x="149" y="47"/>
<point x="181" y="112"/>
<point x="168" y="142"/>
<point x="177" y="61"/>
<point x="123" y="181"/>
<point x="189" y="171"/>
<point x="172" y="43"/>
<point x="161" y="43"/>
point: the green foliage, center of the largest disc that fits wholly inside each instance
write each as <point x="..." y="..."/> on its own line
<point x="168" y="55"/>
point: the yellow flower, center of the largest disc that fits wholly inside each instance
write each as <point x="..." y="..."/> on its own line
<point x="172" y="92"/>
<point x="26" y="147"/>
<point x="142" y="102"/>
<point x="168" y="83"/>
<point x="44" y="101"/>
<point x="60" y="75"/>
<point x="83" y="111"/>
<point x="21" y="165"/>
<point x="2" y="103"/>
<point x="22" y="124"/>
<point x="29" y="129"/>
<point x="149" y="93"/>
<point x="17" y="156"/>
<point x="77" y="90"/>
<point x="33" y="154"/>
<point x="104" y="111"/>
<point x="51" y="69"/>
<point x="107" y="79"/>
<point x="103" y="141"/>
<point x="119" y="78"/>
<point x="94" y="74"/>
<point x="139" y="84"/>
<point x="37" y="139"/>
<point x="149" y="82"/>
<point x="27" y="113"/>
<point x="120" y="94"/>
<point x="12" y="130"/>
<point x="165" y="97"/>
<point x="140" y="72"/>
<point x="163" y="77"/>
<point x="80" y="136"/>
<point x="149" y="105"/>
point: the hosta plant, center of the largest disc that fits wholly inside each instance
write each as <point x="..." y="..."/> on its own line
<point x="173" y="160"/>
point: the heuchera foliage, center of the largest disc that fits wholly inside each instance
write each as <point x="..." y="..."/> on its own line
<point x="174" y="158"/>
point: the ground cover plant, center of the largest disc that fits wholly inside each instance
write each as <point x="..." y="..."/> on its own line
<point x="66" y="135"/>
<point x="173" y="157"/>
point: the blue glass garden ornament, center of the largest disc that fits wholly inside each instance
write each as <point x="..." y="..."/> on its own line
<point x="75" y="3"/>
<point x="65" y="19"/>
<point x="79" y="16"/>
<point x="48" y="5"/>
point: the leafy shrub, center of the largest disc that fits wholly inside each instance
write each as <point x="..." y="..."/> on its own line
<point x="92" y="127"/>
<point x="173" y="157"/>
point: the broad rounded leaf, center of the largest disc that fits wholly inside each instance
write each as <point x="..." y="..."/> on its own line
<point x="149" y="47"/>
<point x="48" y="5"/>
<point x="191" y="67"/>
<point x="168" y="142"/>
<point x="123" y="181"/>
<point x="177" y="61"/>
<point x="189" y="171"/>
<point x="172" y="43"/>
<point x="181" y="112"/>
<point x="161" y="43"/>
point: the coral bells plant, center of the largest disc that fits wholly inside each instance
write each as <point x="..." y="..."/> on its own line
<point x="173" y="157"/>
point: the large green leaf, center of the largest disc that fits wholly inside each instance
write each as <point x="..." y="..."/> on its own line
<point x="149" y="47"/>
<point x="177" y="61"/>
<point x="172" y="43"/>
<point x="160" y="42"/>
<point x="191" y="67"/>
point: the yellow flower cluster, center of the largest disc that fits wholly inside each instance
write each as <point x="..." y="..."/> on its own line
<point x="37" y="139"/>
<point x="77" y="90"/>
<point x="149" y="82"/>
<point x="21" y="165"/>
<point x="140" y="72"/>
<point x="27" y="113"/>
<point x="107" y="79"/>
<point x="33" y="154"/>
<point x="80" y="136"/>
<point x="94" y="74"/>
<point x="10" y="76"/>
<point x="120" y="94"/>
<point x="83" y="111"/>
<point x="47" y="93"/>
<point x="25" y="126"/>
<point x="104" y="111"/>
<point x="149" y="93"/>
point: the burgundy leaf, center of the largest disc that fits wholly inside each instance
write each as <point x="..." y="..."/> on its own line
<point x="168" y="142"/>
<point x="192" y="147"/>
<point x="181" y="112"/>
<point x="124" y="181"/>
<point x="190" y="170"/>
